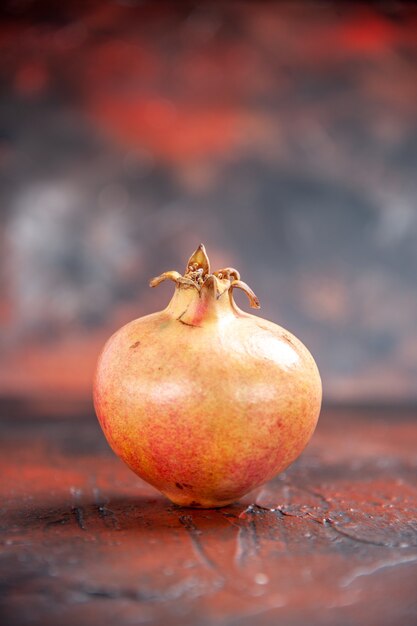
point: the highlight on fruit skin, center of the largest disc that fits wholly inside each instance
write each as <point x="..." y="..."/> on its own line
<point x="202" y="400"/>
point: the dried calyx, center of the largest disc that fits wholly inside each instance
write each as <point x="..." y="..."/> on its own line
<point x="197" y="276"/>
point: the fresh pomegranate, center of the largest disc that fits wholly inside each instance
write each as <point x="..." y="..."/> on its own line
<point x="202" y="400"/>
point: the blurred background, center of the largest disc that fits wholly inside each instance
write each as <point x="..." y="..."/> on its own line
<point x="283" y="135"/>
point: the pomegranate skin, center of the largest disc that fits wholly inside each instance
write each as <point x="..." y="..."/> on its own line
<point x="204" y="401"/>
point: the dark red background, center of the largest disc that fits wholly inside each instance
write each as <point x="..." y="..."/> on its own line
<point x="282" y="135"/>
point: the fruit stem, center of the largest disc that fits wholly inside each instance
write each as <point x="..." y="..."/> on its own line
<point x="198" y="276"/>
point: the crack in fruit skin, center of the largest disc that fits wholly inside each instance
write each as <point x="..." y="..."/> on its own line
<point x="209" y="408"/>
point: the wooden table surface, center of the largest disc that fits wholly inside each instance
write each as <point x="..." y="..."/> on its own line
<point x="332" y="541"/>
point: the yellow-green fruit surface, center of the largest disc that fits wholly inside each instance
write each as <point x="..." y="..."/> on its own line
<point x="204" y="401"/>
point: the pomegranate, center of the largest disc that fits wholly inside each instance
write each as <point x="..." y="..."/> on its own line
<point x="202" y="400"/>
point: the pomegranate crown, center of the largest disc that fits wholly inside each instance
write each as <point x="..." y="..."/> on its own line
<point x="198" y="276"/>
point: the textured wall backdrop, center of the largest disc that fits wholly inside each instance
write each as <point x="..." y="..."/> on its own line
<point x="282" y="135"/>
